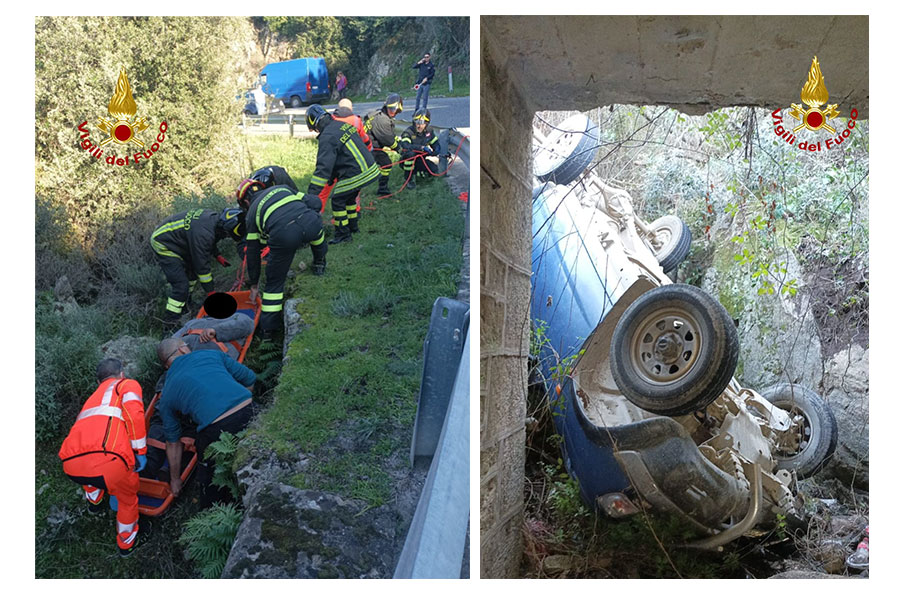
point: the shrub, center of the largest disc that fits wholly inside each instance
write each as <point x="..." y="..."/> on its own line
<point x="208" y="537"/>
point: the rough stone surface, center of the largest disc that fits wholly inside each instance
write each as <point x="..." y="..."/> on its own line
<point x="798" y="574"/>
<point x="693" y="63"/>
<point x="293" y="322"/>
<point x="64" y="296"/>
<point x="293" y="533"/>
<point x="131" y="351"/>
<point x="846" y="387"/>
<point x="778" y="334"/>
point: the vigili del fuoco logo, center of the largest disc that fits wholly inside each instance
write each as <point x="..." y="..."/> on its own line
<point x="815" y="118"/>
<point x="123" y="128"/>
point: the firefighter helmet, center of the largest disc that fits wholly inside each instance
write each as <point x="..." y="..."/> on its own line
<point x="422" y="116"/>
<point x="394" y="102"/>
<point x="314" y="116"/>
<point x="246" y="188"/>
<point x="231" y="222"/>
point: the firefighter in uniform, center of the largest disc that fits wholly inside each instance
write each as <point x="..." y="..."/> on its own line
<point x="418" y="141"/>
<point x="283" y="221"/>
<point x="344" y="112"/>
<point x="380" y="125"/>
<point x="343" y="158"/>
<point x="184" y="245"/>
<point x="107" y="446"/>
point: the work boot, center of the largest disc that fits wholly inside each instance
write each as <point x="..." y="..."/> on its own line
<point x="341" y="234"/>
<point x="170" y="321"/>
<point x="412" y="183"/>
<point x="268" y="335"/>
<point x="128" y="543"/>
<point x="96" y="507"/>
<point x="383" y="185"/>
<point x="354" y="225"/>
<point x="318" y="267"/>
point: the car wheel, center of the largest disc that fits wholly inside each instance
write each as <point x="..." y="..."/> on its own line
<point x="672" y="241"/>
<point x="567" y="151"/>
<point x="818" y="436"/>
<point x="296" y="102"/>
<point x="674" y="350"/>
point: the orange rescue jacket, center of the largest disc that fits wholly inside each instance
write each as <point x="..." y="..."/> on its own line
<point x="110" y="422"/>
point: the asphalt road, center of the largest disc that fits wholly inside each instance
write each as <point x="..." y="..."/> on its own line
<point x="445" y="112"/>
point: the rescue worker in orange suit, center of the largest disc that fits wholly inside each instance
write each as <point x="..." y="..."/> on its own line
<point x="185" y="244"/>
<point x="380" y="125"/>
<point x="221" y="403"/>
<point x="106" y="448"/>
<point x="344" y="158"/>
<point x="418" y="141"/>
<point x="344" y="112"/>
<point x="283" y="221"/>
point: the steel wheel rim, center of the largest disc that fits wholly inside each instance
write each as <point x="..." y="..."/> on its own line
<point x="666" y="345"/>
<point x="662" y="235"/>
<point x="805" y="433"/>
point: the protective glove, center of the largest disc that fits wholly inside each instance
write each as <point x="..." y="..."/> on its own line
<point x="428" y="150"/>
<point x="141" y="462"/>
<point x="221" y="260"/>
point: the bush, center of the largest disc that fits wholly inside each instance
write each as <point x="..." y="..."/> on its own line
<point x="208" y="537"/>
<point x="182" y="70"/>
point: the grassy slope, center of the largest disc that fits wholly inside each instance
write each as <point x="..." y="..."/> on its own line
<point x="354" y="371"/>
<point x="360" y="364"/>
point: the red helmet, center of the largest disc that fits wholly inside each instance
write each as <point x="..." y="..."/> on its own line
<point x="246" y="189"/>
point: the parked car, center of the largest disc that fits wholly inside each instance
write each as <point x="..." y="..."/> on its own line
<point x="639" y="369"/>
<point x="296" y="82"/>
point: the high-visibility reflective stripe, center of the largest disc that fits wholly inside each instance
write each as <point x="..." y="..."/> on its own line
<point x="316" y="180"/>
<point x="359" y="180"/>
<point x="271" y="307"/>
<point x="406" y="139"/>
<point x="252" y="236"/>
<point x="162" y="250"/>
<point x="174" y="306"/>
<point x="272" y="296"/>
<point x="352" y="214"/>
<point x="205" y="277"/>
<point x="168" y="227"/>
<point x="93" y="495"/>
<point x="125" y="528"/>
<point x="338" y="213"/>
<point x="138" y="444"/>
<point x="107" y="394"/>
<point x="130" y="396"/>
<point x="259" y="210"/>
<point x="105" y="411"/>
<point x="275" y="206"/>
<point x="320" y="240"/>
<point x="357" y="155"/>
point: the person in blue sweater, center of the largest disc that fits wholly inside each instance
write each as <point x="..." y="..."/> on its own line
<point x="213" y="390"/>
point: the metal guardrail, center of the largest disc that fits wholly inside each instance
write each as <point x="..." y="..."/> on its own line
<point x="436" y="541"/>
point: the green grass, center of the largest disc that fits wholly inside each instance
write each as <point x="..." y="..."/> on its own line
<point x="347" y="393"/>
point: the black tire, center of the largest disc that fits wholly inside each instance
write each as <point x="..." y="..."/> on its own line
<point x="576" y="142"/>
<point x="296" y="102"/>
<point x="674" y="350"/>
<point x="675" y="238"/>
<point x="820" y="435"/>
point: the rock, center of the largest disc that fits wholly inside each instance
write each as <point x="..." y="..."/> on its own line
<point x="832" y="554"/>
<point x="132" y="351"/>
<point x="799" y="574"/>
<point x="292" y="533"/>
<point x="556" y="564"/>
<point x="293" y="322"/>
<point x="778" y="334"/>
<point x="846" y="389"/>
<point x="65" y="296"/>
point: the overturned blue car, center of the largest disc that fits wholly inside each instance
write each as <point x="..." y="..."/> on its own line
<point x="640" y="370"/>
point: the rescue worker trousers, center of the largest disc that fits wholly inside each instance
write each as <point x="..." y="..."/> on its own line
<point x="345" y="210"/>
<point x="109" y="472"/>
<point x="353" y="211"/>
<point x="412" y="160"/>
<point x="181" y="278"/>
<point x="383" y="159"/>
<point x="283" y="244"/>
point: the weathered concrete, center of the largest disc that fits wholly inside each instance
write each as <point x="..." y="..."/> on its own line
<point x="692" y="63"/>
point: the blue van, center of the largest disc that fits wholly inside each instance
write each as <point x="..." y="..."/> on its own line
<point x="296" y="82"/>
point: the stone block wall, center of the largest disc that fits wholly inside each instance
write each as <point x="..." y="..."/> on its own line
<point x="505" y="292"/>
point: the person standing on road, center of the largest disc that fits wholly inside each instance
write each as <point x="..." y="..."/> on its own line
<point x="424" y="79"/>
<point x="341" y="85"/>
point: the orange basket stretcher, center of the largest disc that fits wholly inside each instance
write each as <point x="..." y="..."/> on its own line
<point x="155" y="497"/>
